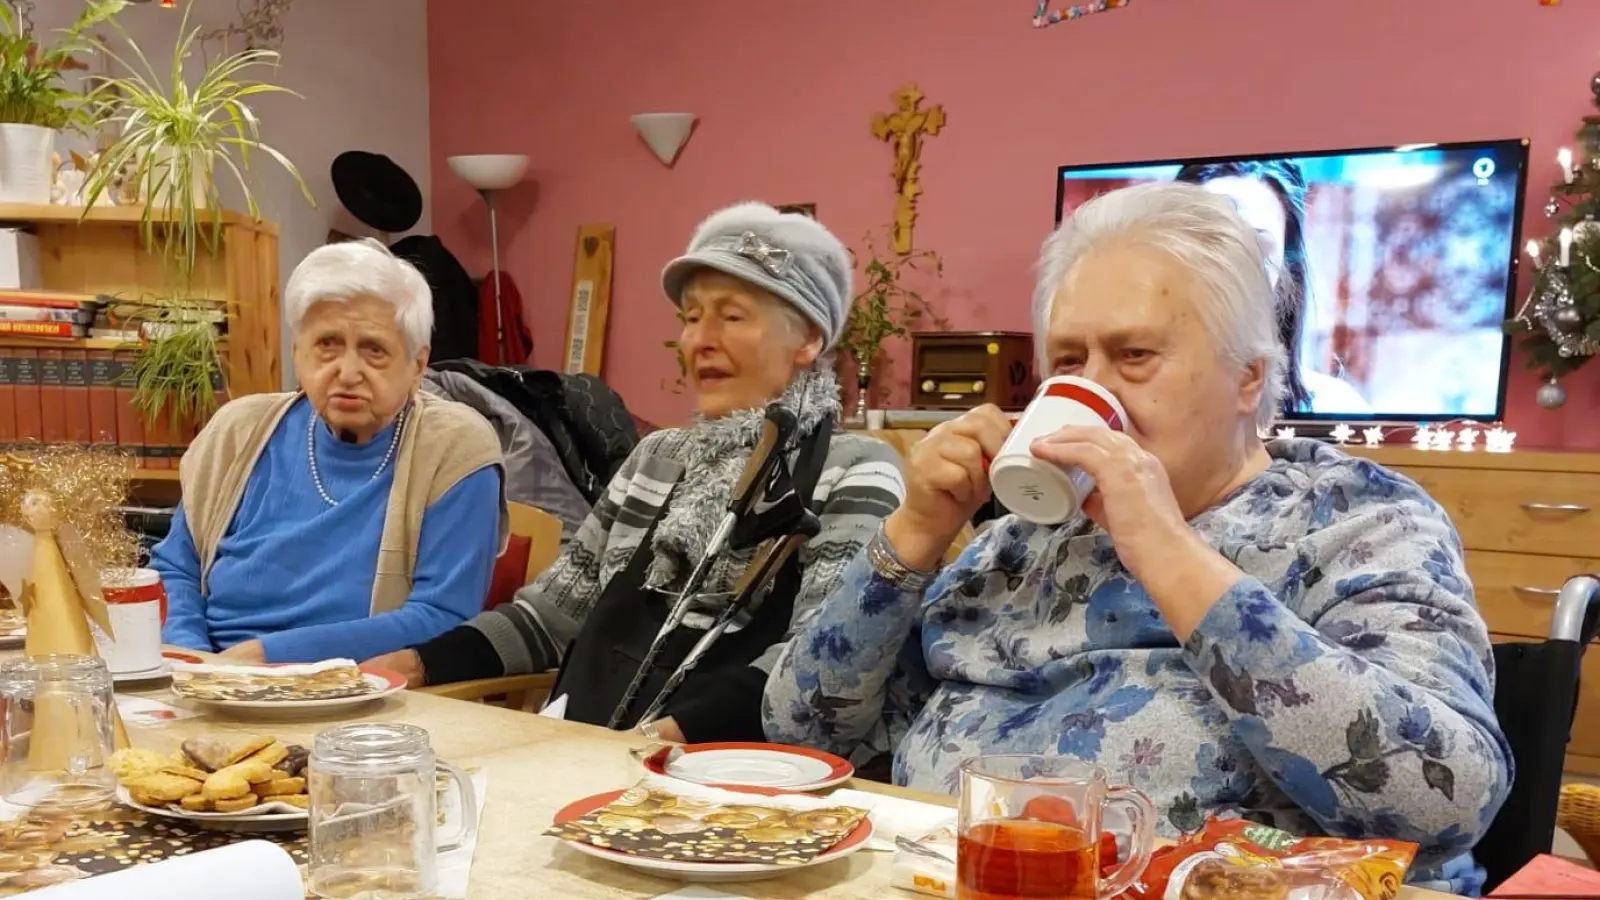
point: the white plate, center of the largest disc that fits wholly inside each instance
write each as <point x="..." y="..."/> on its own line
<point x="383" y="684"/>
<point x="763" y="768"/>
<point x="266" y="817"/>
<point x="160" y="671"/>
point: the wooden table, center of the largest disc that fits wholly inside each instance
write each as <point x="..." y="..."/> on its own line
<point x="536" y="766"/>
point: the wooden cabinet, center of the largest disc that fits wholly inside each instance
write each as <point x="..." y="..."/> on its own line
<point x="1529" y="520"/>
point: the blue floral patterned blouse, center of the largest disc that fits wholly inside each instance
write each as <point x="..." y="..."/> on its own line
<point x="1342" y="686"/>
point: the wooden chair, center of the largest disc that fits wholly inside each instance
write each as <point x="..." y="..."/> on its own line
<point x="524" y="692"/>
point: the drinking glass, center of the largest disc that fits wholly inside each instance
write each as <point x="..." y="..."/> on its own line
<point x="373" y="815"/>
<point x="58" y="721"/>
<point x="1029" y="829"/>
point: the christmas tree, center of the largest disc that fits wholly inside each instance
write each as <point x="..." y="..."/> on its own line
<point x="1560" y="320"/>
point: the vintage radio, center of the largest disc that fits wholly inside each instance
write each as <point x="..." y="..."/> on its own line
<point x="963" y="369"/>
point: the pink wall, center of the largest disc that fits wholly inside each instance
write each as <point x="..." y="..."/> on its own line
<point x="785" y="91"/>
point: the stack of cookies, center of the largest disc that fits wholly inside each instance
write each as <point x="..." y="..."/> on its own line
<point x="232" y="774"/>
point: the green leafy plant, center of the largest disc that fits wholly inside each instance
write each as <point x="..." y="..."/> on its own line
<point x="173" y="139"/>
<point x="33" y="88"/>
<point x="887" y="306"/>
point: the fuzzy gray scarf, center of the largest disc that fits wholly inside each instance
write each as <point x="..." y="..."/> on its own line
<point x="713" y="453"/>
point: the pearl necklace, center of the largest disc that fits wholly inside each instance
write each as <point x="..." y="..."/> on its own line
<point x="311" y="454"/>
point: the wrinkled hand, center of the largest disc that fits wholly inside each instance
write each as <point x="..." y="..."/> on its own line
<point x="402" y="662"/>
<point x="947" y="479"/>
<point x="248" y="652"/>
<point x="1134" y="503"/>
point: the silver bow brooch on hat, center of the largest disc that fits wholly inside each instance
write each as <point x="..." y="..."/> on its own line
<point x="774" y="259"/>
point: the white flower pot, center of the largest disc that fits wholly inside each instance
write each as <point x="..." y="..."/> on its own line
<point x="158" y="185"/>
<point x="25" y="170"/>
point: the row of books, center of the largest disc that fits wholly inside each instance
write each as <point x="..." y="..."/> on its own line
<point x="82" y="397"/>
<point x="60" y="314"/>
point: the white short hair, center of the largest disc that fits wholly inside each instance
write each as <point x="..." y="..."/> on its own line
<point x="344" y="271"/>
<point x="1203" y="233"/>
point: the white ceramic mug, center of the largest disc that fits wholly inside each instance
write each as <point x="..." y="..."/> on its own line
<point x="1040" y="491"/>
<point x="136" y="603"/>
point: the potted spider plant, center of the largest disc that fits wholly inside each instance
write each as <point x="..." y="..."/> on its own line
<point x="35" y="102"/>
<point x="174" y="138"/>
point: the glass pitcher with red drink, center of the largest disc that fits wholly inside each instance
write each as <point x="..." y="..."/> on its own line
<point x="1030" y="829"/>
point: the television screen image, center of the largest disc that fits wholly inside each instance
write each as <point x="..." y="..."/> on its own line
<point x="1394" y="268"/>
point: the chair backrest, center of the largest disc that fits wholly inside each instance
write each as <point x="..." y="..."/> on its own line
<point x="543" y="532"/>
<point x="1535" y="697"/>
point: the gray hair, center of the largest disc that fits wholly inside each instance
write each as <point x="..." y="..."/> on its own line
<point x="1202" y="232"/>
<point x="342" y="272"/>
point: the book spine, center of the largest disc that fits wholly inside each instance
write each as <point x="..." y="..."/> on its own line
<point x="8" y="398"/>
<point x="30" y="429"/>
<point x="75" y="379"/>
<point x="130" y="422"/>
<point x="102" y="398"/>
<point x="44" y="329"/>
<point x="53" y="299"/>
<point x="52" y="396"/>
<point x="10" y="313"/>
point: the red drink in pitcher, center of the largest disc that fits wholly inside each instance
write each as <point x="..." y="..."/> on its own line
<point x="1022" y="859"/>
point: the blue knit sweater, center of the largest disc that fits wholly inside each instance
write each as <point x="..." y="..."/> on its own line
<point x="297" y="573"/>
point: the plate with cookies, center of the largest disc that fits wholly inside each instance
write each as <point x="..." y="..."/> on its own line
<point x="239" y="782"/>
<point x="319" y="687"/>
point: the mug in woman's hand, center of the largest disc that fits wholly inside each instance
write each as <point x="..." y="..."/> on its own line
<point x="1040" y="491"/>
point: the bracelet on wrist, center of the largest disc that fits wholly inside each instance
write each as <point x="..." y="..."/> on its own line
<point x="891" y="568"/>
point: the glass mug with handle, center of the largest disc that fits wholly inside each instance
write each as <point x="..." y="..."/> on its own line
<point x="1030" y="827"/>
<point x="373" y="820"/>
<point x="57" y="722"/>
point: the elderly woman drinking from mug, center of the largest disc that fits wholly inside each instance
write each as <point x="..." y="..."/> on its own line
<point x="353" y="517"/>
<point x="763" y="296"/>
<point x="1276" y="629"/>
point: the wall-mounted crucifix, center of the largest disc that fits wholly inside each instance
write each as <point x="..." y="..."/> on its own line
<point x="904" y="129"/>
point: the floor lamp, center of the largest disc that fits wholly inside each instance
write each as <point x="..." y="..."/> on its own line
<point x="490" y="174"/>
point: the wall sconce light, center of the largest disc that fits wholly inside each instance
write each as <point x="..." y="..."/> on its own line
<point x="665" y="133"/>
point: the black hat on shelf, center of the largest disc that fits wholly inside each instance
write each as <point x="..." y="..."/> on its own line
<point x="377" y="191"/>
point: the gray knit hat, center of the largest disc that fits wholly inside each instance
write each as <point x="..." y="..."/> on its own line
<point x="788" y="254"/>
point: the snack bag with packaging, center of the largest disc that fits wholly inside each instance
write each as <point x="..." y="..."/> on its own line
<point x="1234" y="858"/>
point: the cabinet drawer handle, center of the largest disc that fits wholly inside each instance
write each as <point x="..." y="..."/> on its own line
<point x="1555" y="507"/>
<point x="1540" y="592"/>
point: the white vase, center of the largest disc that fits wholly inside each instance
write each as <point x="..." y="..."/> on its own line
<point x="25" y="171"/>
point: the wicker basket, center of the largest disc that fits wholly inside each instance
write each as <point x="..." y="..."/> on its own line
<point x="1578" y="814"/>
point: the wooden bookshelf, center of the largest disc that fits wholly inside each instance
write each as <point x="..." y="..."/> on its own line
<point x="101" y="251"/>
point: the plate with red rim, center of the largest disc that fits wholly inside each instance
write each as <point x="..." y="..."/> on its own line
<point x="749" y="764"/>
<point x="710" y="872"/>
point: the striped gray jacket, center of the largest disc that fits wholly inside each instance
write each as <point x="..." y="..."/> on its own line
<point x="861" y="483"/>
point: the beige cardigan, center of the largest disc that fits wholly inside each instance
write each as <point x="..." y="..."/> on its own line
<point x="443" y="442"/>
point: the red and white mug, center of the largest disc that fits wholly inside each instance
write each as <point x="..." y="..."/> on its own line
<point x="136" y="603"/>
<point x="1039" y="491"/>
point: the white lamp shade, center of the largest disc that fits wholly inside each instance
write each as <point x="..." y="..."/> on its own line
<point x="665" y="133"/>
<point x="490" y="171"/>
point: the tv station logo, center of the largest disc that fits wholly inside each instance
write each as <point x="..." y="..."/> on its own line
<point x="1483" y="168"/>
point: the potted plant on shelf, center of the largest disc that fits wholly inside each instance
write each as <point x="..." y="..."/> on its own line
<point x="173" y="137"/>
<point x="35" y="102"/>
<point x="885" y="308"/>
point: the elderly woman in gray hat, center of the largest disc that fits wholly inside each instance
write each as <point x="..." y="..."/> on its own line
<point x="763" y="297"/>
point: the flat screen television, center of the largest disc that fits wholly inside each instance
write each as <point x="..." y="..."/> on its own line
<point x="1394" y="267"/>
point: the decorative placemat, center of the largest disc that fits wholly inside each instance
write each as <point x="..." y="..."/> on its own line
<point x="37" y="852"/>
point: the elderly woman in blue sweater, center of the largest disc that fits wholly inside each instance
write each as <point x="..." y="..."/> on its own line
<point x="348" y="519"/>
<point x="1273" y="629"/>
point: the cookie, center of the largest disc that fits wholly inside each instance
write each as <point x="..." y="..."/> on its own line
<point x="225" y="784"/>
<point x="162" y="787"/>
<point x="132" y="762"/>
<point x="272" y="754"/>
<point x="249" y="747"/>
<point x="281" y="786"/>
<point x="237" y="804"/>
<point x="196" y="803"/>
<point x="253" y="772"/>
<point x="295" y="763"/>
<point x="303" y="801"/>
<point x="186" y="772"/>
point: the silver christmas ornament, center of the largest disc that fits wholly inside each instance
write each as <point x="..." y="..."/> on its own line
<point x="1551" y="395"/>
<point x="1567" y="319"/>
<point x="1551" y="207"/>
<point x="1586" y="230"/>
